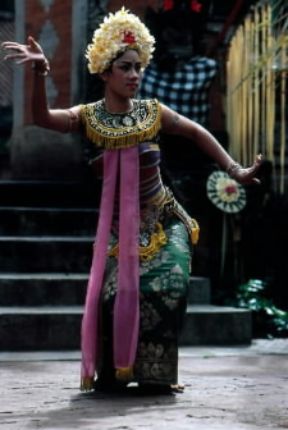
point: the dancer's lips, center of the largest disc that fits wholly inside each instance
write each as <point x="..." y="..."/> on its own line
<point x="132" y="86"/>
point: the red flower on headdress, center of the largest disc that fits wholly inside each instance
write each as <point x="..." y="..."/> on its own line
<point x="168" y="4"/>
<point x="195" y="6"/>
<point x="129" y="37"/>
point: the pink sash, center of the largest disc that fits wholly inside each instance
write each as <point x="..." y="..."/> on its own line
<point x="126" y="308"/>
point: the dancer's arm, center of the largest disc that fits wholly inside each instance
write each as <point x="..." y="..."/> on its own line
<point x="62" y="120"/>
<point x="173" y="123"/>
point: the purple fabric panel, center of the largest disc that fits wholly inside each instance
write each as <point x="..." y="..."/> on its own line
<point x="126" y="308"/>
<point x="89" y="339"/>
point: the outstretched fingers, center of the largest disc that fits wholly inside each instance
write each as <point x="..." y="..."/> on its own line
<point x="16" y="56"/>
<point x="33" y="42"/>
<point x="256" y="181"/>
<point x="15" y="50"/>
<point x="13" y="45"/>
<point x="24" y="60"/>
<point x="254" y="169"/>
<point x="9" y="43"/>
<point x="257" y="162"/>
<point x="256" y="165"/>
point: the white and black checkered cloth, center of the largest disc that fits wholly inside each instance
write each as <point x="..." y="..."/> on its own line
<point x="184" y="90"/>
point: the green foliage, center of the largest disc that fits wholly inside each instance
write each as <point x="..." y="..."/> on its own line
<point x="252" y="295"/>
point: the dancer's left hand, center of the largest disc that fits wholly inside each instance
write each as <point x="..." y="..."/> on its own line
<point x="247" y="175"/>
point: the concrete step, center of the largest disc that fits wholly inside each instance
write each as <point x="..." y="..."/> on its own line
<point x="58" y="327"/>
<point x="39" y="289"/>
<point x="36" y="328"/>
<point x="199" y="291"/>
<point x="218" y="325"/>
<point x="84" y="193"/>
<point x="64" y="254"/>
<point x="28" y="221"/>
<point x="46" y="254"/>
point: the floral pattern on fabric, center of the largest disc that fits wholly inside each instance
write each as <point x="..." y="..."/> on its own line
<point x="156" y="363"/>
<point x="163" y="287"/>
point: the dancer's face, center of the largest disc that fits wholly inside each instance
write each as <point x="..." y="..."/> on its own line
<point x="124" y="76"/>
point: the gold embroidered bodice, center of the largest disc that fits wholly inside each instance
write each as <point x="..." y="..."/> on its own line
<point x="115" y="131"/>
<point x="123" y="130"/>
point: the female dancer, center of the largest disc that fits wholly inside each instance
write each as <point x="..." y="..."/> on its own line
<point x="136" y="292"/>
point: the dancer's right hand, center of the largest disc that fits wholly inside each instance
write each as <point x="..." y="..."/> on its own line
<point x="31" y="52"/>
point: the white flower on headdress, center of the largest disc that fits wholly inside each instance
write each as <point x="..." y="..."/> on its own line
<point x="225" y="192"/>
<point x="117" y="32"/>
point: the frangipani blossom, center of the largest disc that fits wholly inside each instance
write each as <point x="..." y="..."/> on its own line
<point x="118" y="32"/>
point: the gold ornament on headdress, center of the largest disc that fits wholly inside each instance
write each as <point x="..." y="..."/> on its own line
<point x="118" y="32"/>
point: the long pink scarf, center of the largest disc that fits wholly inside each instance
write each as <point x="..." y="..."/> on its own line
<point x="126" y="307"/>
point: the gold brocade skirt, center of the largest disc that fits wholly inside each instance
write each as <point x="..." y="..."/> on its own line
<point x="164" y="279"/>
<point x="152" y="235"/>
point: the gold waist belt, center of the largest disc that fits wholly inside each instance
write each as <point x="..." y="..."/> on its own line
<point x="157" y="240"/>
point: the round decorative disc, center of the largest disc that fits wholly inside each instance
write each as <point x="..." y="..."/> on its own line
<point x="225" y="193"/>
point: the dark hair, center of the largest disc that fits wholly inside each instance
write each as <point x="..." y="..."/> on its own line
<point x="119" y="54"/>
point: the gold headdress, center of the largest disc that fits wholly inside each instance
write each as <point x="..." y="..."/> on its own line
<point x="117" y="32"/>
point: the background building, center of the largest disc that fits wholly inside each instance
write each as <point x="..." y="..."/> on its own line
<point x="32" y="157"/>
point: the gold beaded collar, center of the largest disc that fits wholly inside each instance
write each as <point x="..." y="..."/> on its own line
<point x="121" y="130"/>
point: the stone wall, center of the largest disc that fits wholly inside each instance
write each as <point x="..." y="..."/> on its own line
<point x="50" y="23"/>
<point x="60" y="28"/>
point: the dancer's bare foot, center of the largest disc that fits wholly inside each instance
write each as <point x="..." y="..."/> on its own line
<point x="177" y="388"/>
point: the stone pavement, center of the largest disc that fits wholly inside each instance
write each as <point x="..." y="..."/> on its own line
<point x="226" y="388"/>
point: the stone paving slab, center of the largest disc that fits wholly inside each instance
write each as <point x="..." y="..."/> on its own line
<point x="235" y="392"/>
<point x="257" y="347"/>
